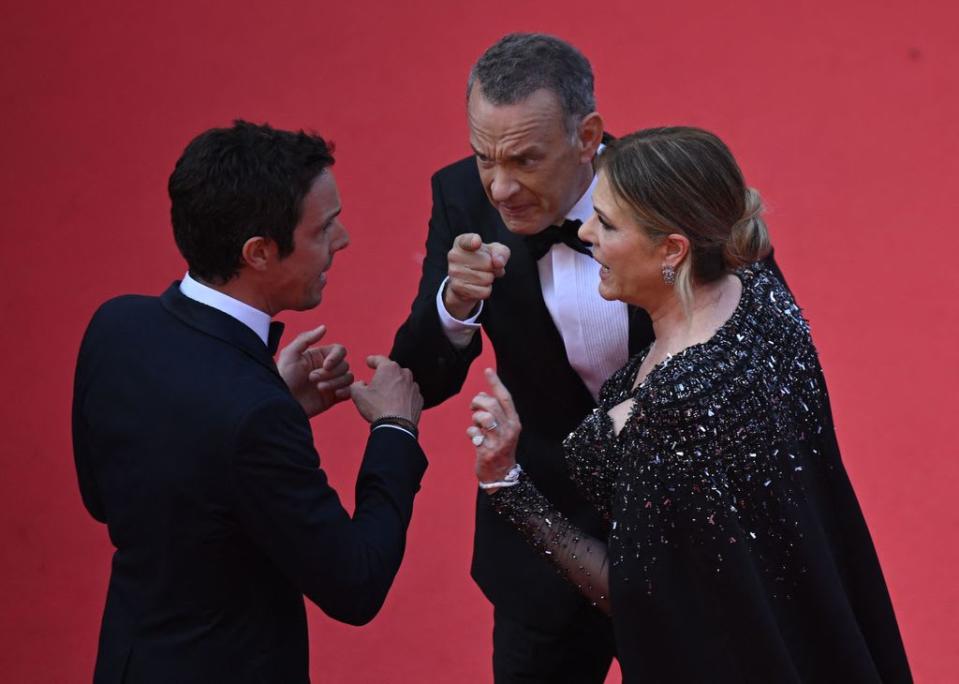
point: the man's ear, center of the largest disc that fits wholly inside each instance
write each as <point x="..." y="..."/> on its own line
<point x="675" y="249"/>
<point x="589" y="136"/>
<point x="258" y="252"/>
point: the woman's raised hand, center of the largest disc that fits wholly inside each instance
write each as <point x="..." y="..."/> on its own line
<point x="495" y="431"/>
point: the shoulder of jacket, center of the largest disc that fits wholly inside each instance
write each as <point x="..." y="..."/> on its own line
<point x="125" y="310"/>
<point x="459" y="172"/>
<point x="128" y="302"/>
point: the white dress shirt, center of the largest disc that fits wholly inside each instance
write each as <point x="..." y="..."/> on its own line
<point x="595" y="332"/>
<point x="256" y="320"/>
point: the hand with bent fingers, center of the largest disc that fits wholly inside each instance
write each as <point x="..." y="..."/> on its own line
<point x="318" y="377"/>
<point x="472" y="267"/>
<point x="391" y="392"/>
<point x="495" y="431"/>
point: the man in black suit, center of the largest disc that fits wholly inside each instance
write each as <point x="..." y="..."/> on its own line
<point x="502" y="253"/>
<point x="192" y="448"/>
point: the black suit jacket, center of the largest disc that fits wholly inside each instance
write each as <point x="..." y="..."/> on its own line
<point x="550" y="396"/>
<point x="191" y="449"/>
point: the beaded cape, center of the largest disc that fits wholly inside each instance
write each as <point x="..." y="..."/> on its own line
<point x="737" y="550"/>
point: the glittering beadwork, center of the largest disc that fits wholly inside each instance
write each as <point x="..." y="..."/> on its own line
<point x="669" y="274"/>
<point x="712" y="455"/>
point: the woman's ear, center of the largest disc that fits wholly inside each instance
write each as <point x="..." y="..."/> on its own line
<point x="675" y="249"/>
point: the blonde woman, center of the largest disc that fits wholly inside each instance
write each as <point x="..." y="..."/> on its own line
<point x="736" y="551"/>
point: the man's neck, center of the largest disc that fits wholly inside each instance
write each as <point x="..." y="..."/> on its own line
<point x="241" y="291"/>
<point x="230" y="300"/>
<point x="583" y="185"/>
<point x="587" y="175"/>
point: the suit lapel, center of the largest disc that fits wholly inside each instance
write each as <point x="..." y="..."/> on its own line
<point x="215" y="323"/>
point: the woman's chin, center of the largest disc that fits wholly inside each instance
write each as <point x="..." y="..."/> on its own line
<point x="607" y="293"/>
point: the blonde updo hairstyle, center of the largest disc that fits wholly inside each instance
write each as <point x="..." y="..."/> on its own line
<point x="684" y="180"/>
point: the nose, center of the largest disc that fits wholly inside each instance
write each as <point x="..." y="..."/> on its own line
<point x="587" y="231"/>
<point x="502" y="187"/>
<point x="342" y="239"/>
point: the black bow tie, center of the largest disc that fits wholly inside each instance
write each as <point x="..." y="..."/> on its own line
<point x="540" y="243"/>
<point x="273" y="339"/>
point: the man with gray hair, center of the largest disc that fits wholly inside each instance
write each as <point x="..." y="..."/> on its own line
<point x="502" y="254"/>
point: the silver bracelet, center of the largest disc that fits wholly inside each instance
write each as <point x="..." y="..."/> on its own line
<point x="510" y="480"/>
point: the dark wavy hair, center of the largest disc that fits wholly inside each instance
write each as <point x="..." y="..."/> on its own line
<point x="231" y="184"/>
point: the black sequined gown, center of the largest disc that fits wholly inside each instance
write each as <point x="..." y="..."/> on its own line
<point x="737" y="551"/>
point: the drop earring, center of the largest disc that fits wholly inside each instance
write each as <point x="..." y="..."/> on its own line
<point x="669" y="274"/>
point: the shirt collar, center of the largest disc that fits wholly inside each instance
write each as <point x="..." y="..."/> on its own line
<point x="583" y="209"/>
<point x="256" y="320"/>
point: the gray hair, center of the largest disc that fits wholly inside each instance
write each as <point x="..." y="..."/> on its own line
<point x="519" y="64"/>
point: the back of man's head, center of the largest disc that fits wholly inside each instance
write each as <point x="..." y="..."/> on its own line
<point x="519" y="64"/>
<point x="232" y="184"/>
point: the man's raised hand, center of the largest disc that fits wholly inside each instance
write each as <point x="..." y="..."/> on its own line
<point x="318" y="377"/>
<point x="472" y="267"/>
<point x="391" y="392"/>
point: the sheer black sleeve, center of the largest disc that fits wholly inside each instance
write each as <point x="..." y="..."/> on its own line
<point x="580" y="558"/>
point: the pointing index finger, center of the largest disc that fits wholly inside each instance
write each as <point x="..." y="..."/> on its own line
<point x="469" y="242"/>
<point x="499" y="390"/>
<point x="305" y="339"/>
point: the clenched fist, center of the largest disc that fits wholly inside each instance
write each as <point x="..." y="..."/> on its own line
<point x="472" y="267"/>
<point x="391" y="392"/>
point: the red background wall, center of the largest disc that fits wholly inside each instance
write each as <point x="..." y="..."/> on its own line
<point x="843" y="114"/>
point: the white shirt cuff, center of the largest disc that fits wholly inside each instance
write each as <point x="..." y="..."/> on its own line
<point x="459" y="333"/>
<point x="395" y="427"/>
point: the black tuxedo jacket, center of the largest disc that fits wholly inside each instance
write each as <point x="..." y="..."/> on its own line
<point x="190" y="448"/>
<point x="550" y="396"/>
